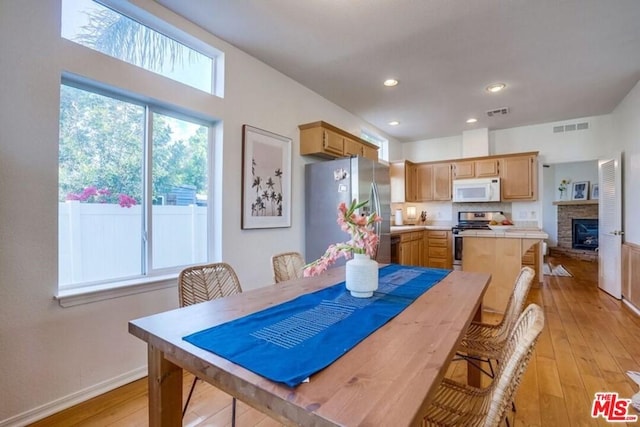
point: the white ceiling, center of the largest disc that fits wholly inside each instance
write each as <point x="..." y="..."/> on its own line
<point x="560" y="59"/>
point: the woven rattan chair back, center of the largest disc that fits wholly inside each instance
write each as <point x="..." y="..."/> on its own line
<point x="457" y="404"/>
<point x="516" y="357"/>
<point x="516" y="302"/>
<point x="286" y="266"/>
<point x="206" y="282"/>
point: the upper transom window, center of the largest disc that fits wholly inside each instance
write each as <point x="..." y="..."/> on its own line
<point x="103" y="29"/>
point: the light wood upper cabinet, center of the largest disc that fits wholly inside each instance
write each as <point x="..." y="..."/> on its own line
<point x="433" y="182"/>
<point x="519" y="177"/>
<point x="325" y="140"/>
<point x="424" y="182"/>
<point x="397" y="181"/>
<point x="476" y="168"/>
<point x="463" y="170"/>
<point x="410" y="182"/>
<point x="442" y="181"/>
<point x="487" y="168"/>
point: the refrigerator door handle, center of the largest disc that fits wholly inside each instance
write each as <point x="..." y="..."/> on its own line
<point x="375" y="205"/>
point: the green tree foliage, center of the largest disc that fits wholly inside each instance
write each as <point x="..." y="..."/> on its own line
<point x="102" y="145"/>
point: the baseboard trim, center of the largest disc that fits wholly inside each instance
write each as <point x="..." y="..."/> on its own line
<point x="70" y="400"/>
<point x="631" y="306"/>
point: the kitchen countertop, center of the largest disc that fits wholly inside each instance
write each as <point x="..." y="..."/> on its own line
<point x="510" y="233"/>
<point x="399" y="229"/>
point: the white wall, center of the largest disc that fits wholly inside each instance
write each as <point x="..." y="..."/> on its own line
<point x="626" y="124"/>
<point x="52" y="356"/>
<point x="431" y="150"/>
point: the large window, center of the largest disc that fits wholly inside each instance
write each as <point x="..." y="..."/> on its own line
<point x="132" y="188"/>
<point x="93" y="25"/>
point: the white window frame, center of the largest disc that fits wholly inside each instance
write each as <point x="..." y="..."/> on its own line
<point x="380" y="142"/>
<point x="91" y="76"/>
<point x="149" y="279"/>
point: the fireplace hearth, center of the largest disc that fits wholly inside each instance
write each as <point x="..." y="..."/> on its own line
<point x="585" y="233"/>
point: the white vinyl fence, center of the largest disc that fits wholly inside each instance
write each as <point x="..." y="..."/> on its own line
<point x="104" y="241"/>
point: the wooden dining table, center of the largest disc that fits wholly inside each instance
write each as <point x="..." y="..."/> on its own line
<point x="387" y="379"/>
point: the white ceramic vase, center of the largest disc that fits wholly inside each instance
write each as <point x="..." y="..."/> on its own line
<point x="361" y="276"/>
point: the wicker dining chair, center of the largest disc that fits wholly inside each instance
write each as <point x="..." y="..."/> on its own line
<point x="457" y="404"/>
<point x="202" y="283"/>
<point x="286" y="266"/>
<point x="484" y="342"/>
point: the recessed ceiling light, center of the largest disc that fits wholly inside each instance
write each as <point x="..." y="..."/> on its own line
<point x="472" y="120"/>
<point x="394" y="123"/>
<point x="496" y="87"/>
<point x="390" y="82"/>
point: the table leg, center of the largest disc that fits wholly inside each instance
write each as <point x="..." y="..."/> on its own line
<point x="165" y="390"/>
<point x="473" y="374"/>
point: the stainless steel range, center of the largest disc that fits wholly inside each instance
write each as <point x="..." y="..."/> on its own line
<point x="478" y="220"/>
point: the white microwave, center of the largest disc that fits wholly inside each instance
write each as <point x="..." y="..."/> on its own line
<point x="476" y="190"/>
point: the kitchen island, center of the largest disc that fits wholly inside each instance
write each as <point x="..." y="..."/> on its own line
<point x="499" y="253"/>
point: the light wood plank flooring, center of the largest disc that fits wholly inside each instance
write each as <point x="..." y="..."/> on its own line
<point x="590" y="340"/>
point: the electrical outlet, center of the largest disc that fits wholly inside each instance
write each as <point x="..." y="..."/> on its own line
<point x="533" y="214"/>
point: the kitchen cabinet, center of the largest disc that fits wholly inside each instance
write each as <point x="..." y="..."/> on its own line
<point x="397" y="171"/>
<point x="437" y="249"/>
<point x="411" y="248"/>
<point x="531" y="258"/>
<point x="519" y="177"/>
<point x="410" y="182"/>
<point x="482" y="168"/>
<point x="432" y="182"/>
<point x="420" y="182"/>
<point x="324" y="140"/>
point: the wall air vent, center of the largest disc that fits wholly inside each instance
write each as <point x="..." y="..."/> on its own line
<point x="498" y="112"/>
<point x="571" y="127"/>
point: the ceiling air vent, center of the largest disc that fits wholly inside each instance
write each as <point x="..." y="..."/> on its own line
<point x="498" y="112"/>
<point x="571" y="127"/>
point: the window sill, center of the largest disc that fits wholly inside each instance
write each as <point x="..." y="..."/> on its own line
<point x="90" y="294"/>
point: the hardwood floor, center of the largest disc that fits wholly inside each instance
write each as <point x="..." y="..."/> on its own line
<point x="589" y="342"/>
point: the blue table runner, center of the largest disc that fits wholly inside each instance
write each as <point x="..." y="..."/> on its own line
<point x="291" y="341"/>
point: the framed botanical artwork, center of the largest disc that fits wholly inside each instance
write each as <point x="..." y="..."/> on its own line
<point x="580" y="190"/>
<point x="266" y="179"/>
<point x="595" y="190"/>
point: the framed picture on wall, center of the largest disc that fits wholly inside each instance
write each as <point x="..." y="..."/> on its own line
<point x="580" y="190"/>
<point x="595" y="192"/>
<point x="266" y="179"/>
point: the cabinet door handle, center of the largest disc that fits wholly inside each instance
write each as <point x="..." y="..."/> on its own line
<point x="324" y="139"/>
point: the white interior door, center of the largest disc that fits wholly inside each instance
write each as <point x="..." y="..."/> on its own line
<point x="610" y="226"/>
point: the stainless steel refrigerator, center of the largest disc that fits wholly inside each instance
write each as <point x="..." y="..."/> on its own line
<point x="327" y="183"/>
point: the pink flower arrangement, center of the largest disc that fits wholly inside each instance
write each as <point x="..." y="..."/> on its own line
<point x="363" y="238"/>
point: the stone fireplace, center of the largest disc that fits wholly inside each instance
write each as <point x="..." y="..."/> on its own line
<point x="567" y="214"/>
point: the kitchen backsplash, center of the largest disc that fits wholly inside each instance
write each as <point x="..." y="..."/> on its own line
<point x="445" y="213"/>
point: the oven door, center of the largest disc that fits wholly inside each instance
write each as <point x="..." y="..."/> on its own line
<point x="457" y="252"/>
